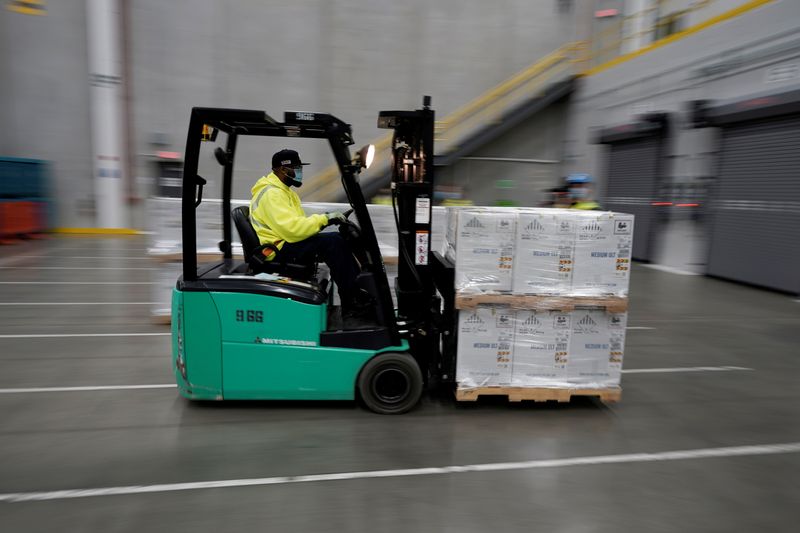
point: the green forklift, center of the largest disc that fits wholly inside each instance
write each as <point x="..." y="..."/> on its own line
<point x="269" y="330"/>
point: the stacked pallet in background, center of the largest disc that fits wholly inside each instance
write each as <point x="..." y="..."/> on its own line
<point x="165" y="248"/>
<point x="542" y="299"/>
<point x="24" y="198"/>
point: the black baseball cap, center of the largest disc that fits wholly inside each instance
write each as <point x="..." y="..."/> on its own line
<point x="286" y="158"/>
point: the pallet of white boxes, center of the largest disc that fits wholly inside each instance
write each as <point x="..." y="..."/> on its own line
<point x="542" y="297"/>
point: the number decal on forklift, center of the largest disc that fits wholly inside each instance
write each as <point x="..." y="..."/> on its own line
<point x="248" y="315"/>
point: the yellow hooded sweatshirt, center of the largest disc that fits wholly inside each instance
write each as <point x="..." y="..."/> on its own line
<point x="278" y="217"/>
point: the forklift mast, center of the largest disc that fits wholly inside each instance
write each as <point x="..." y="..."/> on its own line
<point x="412" y="199"/>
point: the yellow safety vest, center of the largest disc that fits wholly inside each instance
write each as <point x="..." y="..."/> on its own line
<point x="277" y="215"/>
<point x="588" y="205"/>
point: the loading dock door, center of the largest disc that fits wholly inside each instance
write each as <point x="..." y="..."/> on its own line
<point x="633" y="170"/>
<point x="755" y="204"/>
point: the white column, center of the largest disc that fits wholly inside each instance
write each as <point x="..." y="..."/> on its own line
<point x="102" y="27"/>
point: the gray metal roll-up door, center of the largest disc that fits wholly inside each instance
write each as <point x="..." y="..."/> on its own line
<point x="633" y="172"/>
<point x="631" y="181"/>
<point x="755" y="204"/>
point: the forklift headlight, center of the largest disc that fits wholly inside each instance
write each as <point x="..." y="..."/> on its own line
<point x="365" y="156"/>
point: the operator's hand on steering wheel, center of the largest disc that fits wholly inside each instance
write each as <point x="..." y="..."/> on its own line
<point x="336" y="218"/>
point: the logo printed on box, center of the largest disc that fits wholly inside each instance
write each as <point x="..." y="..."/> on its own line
<point x="532" y="321"/>
<point x="474" y="223"/>
<point x="535" y="225"/>
<point x="504" y="224"/>
<point x="474" y="319"/>
<point x="504" y="321"/>
<point x="622" y="227"/>
<point x="591" y="227"/>
<point x="586" y="325"/>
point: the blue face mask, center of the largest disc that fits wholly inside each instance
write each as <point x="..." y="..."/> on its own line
<point x="298" y="175"/>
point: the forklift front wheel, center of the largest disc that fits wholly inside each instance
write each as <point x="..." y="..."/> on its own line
<point x="390" y="383"/>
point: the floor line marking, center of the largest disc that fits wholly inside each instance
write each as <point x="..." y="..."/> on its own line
<point x="686" y="369"/>
<point x="60" y="257"/>
<point x="74" y="268"/>
<point x="62" y="335"/>
<point x="78" y="283"/>
<point x="671" y="270"/>
<point x="58" y="249"/>
<point x="75" y="303"/>
<point x="172" y="385"/>
<point x="677" y="455"/>
<point x="89" y="388"/>
<point x="639" y="327"/>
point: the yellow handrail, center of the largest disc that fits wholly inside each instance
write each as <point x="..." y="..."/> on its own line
<point x="487" y="103"/>
<point x="491" y="105"/>
<point x="505" y="86"/>
<point x="327" y="181"/>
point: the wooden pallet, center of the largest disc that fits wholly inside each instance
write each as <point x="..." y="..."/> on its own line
<point x="613" y="304"/>
<point x="538" y="394"/>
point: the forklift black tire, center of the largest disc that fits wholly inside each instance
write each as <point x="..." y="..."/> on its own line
<point x="390" y="383"/>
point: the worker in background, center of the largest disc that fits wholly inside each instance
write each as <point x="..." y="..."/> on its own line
<point x="580" y="192"/>
<point x="558" y="198"/>
<point x="279" y="219"/>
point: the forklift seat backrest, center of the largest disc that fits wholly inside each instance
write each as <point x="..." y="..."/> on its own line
<point x="248" y="235"/>
<point x="252" y="249"/>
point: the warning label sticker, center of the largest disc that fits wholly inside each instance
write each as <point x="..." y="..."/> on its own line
<point x="421" y="248"/>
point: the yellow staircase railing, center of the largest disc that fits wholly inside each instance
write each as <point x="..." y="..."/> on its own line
<point x="485" y="110"/>
<point x="605" y="49"/>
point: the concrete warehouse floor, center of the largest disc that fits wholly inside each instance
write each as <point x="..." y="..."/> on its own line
<point x="137" y="438"/>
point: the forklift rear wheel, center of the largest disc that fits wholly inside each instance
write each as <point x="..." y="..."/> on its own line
<point x="390" y="383"/>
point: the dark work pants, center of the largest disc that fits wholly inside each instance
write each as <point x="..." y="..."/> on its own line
<point x="332" y="249"/>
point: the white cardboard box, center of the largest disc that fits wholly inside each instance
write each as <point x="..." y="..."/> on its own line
<point x="485" y="346"/>
<point x="483" y="249"/>
<point x="596" y="347"/>
<point x="164" y="279"/>
<point x="602" y="254"/>
<point x="543" y="257"/>
<point x="541" y="344"/>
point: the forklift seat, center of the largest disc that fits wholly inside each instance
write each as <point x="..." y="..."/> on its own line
<point x="254" y="251"/>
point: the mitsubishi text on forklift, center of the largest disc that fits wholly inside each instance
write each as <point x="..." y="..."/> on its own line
<point x="240" y="334"/>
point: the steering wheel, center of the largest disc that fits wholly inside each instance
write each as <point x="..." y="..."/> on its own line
<point x="348" y="228"/>
<point x="351" y="232"/>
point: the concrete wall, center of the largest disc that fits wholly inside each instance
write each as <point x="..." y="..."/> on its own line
<point x="351" y="58"/>
<point x="44" y="101"/>
<point x="488" y="180"/>
<point x="731" y="59"/>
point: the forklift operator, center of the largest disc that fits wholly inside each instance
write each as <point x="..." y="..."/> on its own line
<point x="279" y="219"/>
